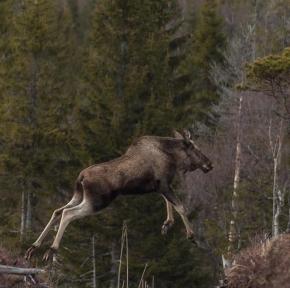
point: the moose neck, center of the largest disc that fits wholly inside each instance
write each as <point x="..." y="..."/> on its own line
<point x="175" y="148"/>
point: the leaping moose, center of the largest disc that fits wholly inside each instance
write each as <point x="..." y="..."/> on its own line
<point x="148" y="165"/>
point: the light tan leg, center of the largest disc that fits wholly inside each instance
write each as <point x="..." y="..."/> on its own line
<point x="180" y="210"/>
<point x="55" y="216"/>
<point x="169" y="211"/>
<point x="169" y="220"/>
<point x="68" y="215"/>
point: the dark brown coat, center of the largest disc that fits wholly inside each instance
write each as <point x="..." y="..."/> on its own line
<point x="148" y="165"/>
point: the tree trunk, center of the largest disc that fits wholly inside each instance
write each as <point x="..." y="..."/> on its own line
<point x="276" y="206"/>
<point x="23" y="216"/>
<point x="288" y="224"/>
<point x="277" y="193"/>
<point x="94" y="262"/>
<point x="28" y="219"/>
<point x="113" y="265"/>
<point x="234" y="236"/>
<point x="4" y="269"/>
<point x="127" y="256"/>
<point x="120" y="259"/>
<point x="26" y="214"/>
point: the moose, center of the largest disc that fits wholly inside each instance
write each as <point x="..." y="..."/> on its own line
<point x="149" y="165"/>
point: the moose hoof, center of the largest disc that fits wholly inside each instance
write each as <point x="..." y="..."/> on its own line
<point x="48" y="255"/>
<point x="30" y="251"/>
<point x="165" y="227"/>
<point x="190" y="237"/>
<point x="199" y="244"/>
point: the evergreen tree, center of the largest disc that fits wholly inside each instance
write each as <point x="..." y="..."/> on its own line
<point x="194" y="74"/>
<point x="129" y="67"/>
<point x="129" y="92"/>
<point x="53" y="124"/>
<point x="35" y="104"/>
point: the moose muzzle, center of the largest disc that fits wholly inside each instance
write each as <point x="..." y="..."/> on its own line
<point x="207" y="167"/>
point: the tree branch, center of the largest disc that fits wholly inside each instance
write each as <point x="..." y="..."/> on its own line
<point x="4" y="269"/>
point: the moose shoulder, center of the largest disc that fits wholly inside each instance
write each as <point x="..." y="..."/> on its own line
<point x="148" y="165"/>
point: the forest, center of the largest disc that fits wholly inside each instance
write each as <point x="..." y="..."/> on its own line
<point x="80" y="80"/>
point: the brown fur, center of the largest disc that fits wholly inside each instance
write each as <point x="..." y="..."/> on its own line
<point x="148" y="165"/>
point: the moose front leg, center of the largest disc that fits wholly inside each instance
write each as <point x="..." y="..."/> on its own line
<point x="169" y="196"/>
<point x="168" y="223"/>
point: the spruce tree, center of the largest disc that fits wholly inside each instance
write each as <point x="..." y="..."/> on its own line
<point x="129" y="92"/>
<point x="194" y="74"/>
<point x="129" y="66"/>
<point x="35" y="105"/>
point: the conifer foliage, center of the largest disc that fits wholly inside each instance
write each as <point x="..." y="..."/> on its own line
<point x="128" y="67"/>
<point x="35" y="106"/>
<point x="205" y="47"/>
<point x="72" y="97"/>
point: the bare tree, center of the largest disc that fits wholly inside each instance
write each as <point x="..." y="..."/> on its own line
<point x="275" y="143"/>
<point x="241" y="49"/>
<point x="94" y="284"/>
<point x="113" y="265"/>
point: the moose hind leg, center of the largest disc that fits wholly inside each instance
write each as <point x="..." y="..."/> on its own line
<point x="55" y="216"/>
<point x="68" y="215"/>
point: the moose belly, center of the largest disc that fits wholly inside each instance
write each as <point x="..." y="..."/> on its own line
<point x="139" y="186"/>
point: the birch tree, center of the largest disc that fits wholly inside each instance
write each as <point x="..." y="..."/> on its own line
<point x="270" y="76"/>
<point x="278" y="193"/>
<point x="241" y="49"/>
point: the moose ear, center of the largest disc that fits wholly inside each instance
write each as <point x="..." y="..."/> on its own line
<point x="177" y="135"/>
<point x="187" y="135"/>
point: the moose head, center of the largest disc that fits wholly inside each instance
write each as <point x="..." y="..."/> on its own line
<point x="194" y="158"/>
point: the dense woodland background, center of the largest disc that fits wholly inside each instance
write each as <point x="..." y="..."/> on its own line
<point x="79" y="80"/>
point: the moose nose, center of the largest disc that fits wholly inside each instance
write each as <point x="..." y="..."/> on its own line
<point x="207" y="167"/>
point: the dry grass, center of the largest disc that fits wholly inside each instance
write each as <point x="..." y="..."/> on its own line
<point x="7" y="258"/>
<point x="263" y="265"/>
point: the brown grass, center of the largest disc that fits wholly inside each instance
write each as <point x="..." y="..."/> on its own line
<point x="263" y="265"/>
<point x="7" y="258"/>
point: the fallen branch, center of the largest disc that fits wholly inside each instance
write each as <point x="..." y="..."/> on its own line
<point x="4" y="269"/>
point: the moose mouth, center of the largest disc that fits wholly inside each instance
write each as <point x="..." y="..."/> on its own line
<point x="206" y="167"/>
